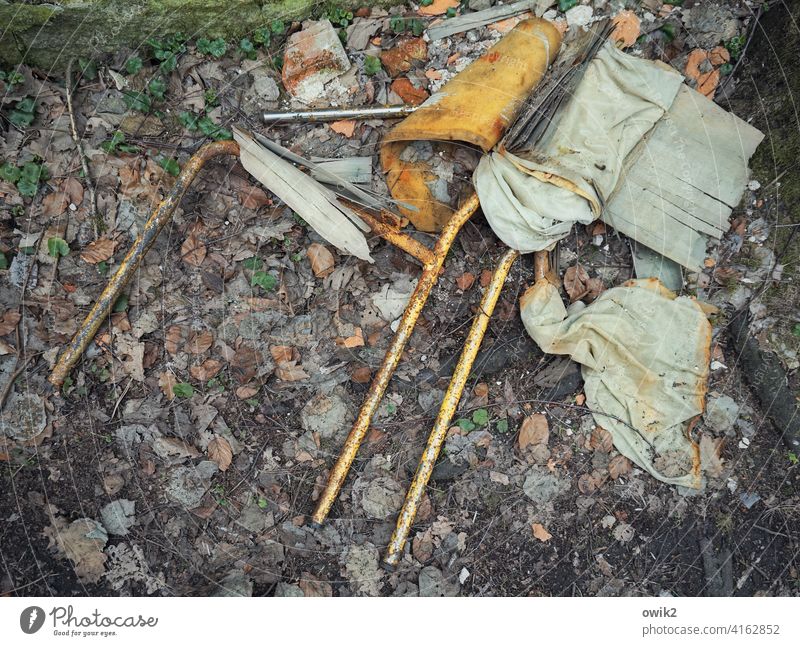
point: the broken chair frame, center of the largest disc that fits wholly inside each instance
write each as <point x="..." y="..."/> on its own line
<point x="386" y="226"/>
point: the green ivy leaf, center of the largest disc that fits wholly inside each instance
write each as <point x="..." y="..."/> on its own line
<point x="372" y="65"/>
<point x="215" y="48"/>
<point x="183" y="390"/>
<point x="9" y="172"/>
<point x="133" y="65"/>
<point x="157" y="87"/>
<point x="23" y="113"/>
<point x="266" y="281"/>
<point x="168" y="64"/>
<point x="136" y="101"/>
<point x="121" y="304"/>
<point x="188" y="120"/>
<point x="57" y="247"/>
<point x="481" y="417"/>
<point x="465" y="425"/>
<point x="211" y="129"/>
<point x="170" y="165"/>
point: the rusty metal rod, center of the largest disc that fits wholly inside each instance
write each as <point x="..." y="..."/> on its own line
<point x="427" y="280"/>
<point x="400" y="240"/>
<point x="338" y="114"/>
<point x="127" y="268"/>
<point x="394" y="551"/>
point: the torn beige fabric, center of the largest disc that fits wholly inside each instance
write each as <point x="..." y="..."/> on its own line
<point x="531" y="198"/>
<point x="645" y="355"/>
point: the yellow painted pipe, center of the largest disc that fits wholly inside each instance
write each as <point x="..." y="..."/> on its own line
<point x="127" y="268"/>
<point x="394" y="551"/>
<point x="427" y="280"/>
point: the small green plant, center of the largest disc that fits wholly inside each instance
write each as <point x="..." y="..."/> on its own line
<point x="169" y="164"/>
<point x="262" y="502"/>
<point x="451" y="12"/>
<point x="121" y="304"/>
<point x="796" y="330"/>
<point x="215" y="48"/>
<point x="502" y="426"/>
<point x="426" y="3"/>
<point x="193" y="122"/>
<point x="338" y="16"/>
<point x="57" y="247"/>
<point x="277" y="27"/>
<point x="254" y="263"/>
<point x="116" y="144"/>
<point x="137" y="100"/>
<point x="372" y="65"/>
<point x="218" y="491"/>
<point x="566" y="5"/>
<point x="167" y="51"/>
<point x="88" y="69"/>
<point x="157" y="87"/>
<point x="12" y="78"/>
<point x="391" y="408"/>
<point x="792" y="457"/>
<point x="266" y="281"/>
<point x="26" y="177"/>
<point x="480" y="417"/>
<point x="735" y="46"/>
<point x="668" y="29"/>
<point x="3" y="261"/>
<point x="247" y="49"/>
<point x="400" y="25"/>
<point x="23" y="113"/>
<point x="183" y="390"/>
<point x="211" y="97"/>
<point x="262" y="36"/>
<point x="133" y="65"/>
<point x="465" y="424"/>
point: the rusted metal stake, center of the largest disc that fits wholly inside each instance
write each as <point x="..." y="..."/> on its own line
<point x="394" y="551"/>
<point x="158" y="218"/>
<point x="427" y="280"/>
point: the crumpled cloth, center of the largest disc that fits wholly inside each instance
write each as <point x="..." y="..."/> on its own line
<point x="531" y="198"/>
<point x="644" y="354"/>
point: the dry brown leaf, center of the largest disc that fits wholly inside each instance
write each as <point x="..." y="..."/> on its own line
<point x="322" y="262"/>
<point x="580" y="398"/>
<point x="438" y="7"/>
<point x="281" y="353"/>
<point x="627" y="27"/>
<point x="9" y="322"/>
<point x="346" y="127"/>
<point x="710" y="449"/>
<point x="314" y="587"/>
<point x="54" y="204"/>
<point x="534" y="430"/>
<point x="246" y="392"/>
<point x="575" y="279"/>
<point x="361" y="375"/>
<point x="98" y="251"/>
<point x="619" y="466"/>
<point x="199" y="342"/>
<point x="173" y="339"/>
<point x="252" y="197"/>
<point x="167" y="381"/>
<point x="465" y="281"/>
<point x="193" y="250"/>
<point x="220" y="451"/>
<point x="355" y="341"/>
<point x="206" y="370"/>
<point x="74" y="190"/>
<point x="601" y="440"/>
<point x="540" y="533"/>
<point x="587" y="484"/>
<point x="289" y="371"/>
<point x="595" y="287"/>
<point x="82" y="542"/>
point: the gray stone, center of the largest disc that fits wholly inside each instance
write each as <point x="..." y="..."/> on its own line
<point x="188" y="485"/>
<point x="266" y="87"/>
<point x="118" y="516"/>
<point x="23" y="417"/>
<point x="324" y="414"/>
<point x="380" y="497"/>
<point x="541" y="486"/>
<point x="288" y="590"/>
<point x="479" y="5"/>
<point x="235" y="584"/>
<point x="432" y="583"/>
<point x="721" y="413"/>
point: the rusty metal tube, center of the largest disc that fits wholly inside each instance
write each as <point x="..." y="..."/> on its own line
<point x="394" y="551"/>
<point x="127" y="268"/>
<point x="399" y="239"/>
<point x="427" y="280"/>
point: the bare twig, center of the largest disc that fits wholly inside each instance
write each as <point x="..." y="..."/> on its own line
<point x="81" y="153"/>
